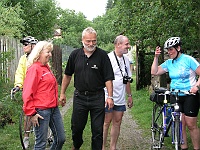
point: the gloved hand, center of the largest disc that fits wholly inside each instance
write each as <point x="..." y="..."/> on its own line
<point x="15" y="89"/>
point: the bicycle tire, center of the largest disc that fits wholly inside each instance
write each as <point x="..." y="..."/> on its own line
<point x="177" y="139"/>
<point x="49" y="137"/>
<point x="157" y="127"/>
<point x="26" y="129"/>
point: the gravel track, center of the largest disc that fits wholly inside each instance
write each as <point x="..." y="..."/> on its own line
<point x="130" y="135"/>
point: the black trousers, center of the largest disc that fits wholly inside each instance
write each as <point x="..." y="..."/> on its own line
<point x="83" y="105"/>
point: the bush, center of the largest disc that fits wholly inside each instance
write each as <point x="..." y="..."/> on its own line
<point x="9" y="108"/>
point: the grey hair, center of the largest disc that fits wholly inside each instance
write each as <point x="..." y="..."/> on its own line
<point x="35" y="53"/>
<point x="119" y="39"/>
<point x="88" y="30"/>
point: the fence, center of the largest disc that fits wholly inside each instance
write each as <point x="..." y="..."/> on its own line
<point x="11" y="50"/>
<point x="10" y="53"/>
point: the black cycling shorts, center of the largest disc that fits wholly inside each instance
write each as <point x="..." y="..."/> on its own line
<point x="189" y="105"/>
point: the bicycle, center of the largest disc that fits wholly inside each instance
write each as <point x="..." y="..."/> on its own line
<point x="165" y="116"/>
<point x="26" y="130"/>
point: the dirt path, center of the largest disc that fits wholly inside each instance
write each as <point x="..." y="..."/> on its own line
<point x="130" y="136"/>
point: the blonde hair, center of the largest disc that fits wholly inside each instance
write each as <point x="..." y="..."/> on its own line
<point x="88" y="30"/>
<point x="35" y="53"/>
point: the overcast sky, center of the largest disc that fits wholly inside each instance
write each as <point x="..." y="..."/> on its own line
<point x="90" y="8"/>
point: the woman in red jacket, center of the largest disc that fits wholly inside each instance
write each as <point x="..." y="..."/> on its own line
<point x="40" y="96"/>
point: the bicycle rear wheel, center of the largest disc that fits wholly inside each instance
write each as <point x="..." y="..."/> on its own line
<point x="26" y="131"/>
<point x="157" y="127"/>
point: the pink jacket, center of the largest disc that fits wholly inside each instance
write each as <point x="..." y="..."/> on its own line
<point x="40" y="89"/>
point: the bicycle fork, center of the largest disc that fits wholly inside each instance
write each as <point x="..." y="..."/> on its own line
<point x="177" y="136"/>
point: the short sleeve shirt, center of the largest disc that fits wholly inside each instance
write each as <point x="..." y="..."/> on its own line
<point x="90" y="74"/>
<point x="119" y="89"/>
<point x="181" y="72"/>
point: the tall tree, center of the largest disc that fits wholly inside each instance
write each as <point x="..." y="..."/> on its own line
<point x="10" y="22"/>
<point x="39" y="17"/>
<point x="109" y="4"/>
<point x="72" y="25"/>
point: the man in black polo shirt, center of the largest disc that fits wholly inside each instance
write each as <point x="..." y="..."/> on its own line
<point x="92" y="72"/>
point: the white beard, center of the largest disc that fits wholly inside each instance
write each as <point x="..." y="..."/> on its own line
<point x="90" y="49"/>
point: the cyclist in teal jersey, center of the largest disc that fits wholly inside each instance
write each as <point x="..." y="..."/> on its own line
<point x="182" y="70"/>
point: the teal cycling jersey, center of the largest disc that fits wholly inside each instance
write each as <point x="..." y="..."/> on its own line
<point x="182" y="72"/>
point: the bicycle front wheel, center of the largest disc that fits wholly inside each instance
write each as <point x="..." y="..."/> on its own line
<point x="26" y="131"/>
<point x="177" y="140"/>
<point x="157" y="127"/>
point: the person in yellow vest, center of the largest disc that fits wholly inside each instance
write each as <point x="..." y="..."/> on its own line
<point x="28" y="44"/>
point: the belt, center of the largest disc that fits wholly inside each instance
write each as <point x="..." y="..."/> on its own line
<point x="89" y="92"/>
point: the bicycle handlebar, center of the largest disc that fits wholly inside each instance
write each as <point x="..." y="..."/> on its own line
<point x="13" y="92"/>
<point x="168" y="92"/>
<point x="164" y="92"/>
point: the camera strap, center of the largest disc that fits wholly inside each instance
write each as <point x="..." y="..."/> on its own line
<point x="119" y="64"/>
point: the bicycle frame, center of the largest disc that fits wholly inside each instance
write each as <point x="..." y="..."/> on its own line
<point x="174" y="116"/>
<point x="166" y="106"/>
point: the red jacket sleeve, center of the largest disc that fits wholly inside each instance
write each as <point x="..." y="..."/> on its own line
<point x="29" y="88"/>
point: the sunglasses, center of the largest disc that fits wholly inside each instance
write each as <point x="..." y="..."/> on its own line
<point x="25" y="44"/>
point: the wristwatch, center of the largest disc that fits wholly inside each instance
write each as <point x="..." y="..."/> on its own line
<point x="129" y="95"/>
<point x="110" y="97"/>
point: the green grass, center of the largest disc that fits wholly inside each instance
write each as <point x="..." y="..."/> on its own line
<point x="9" y="138"/>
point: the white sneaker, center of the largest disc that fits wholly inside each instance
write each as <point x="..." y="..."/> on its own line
<point x="26" y="142"/>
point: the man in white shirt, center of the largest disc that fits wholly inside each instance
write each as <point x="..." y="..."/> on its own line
<point x="121" y="86"/>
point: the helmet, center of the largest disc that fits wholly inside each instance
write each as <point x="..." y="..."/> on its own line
<point x="29" y="39"/>
<point x="172" y="42"/>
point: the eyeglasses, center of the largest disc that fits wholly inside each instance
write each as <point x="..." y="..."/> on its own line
<point x="25" y="44"/>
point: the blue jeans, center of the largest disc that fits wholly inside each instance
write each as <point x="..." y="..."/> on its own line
<point x="52" y="119"/>
<point x="82" y="106"/>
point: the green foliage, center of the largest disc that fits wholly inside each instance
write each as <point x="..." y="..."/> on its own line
<point x="107" y="47"/>
<point x="154" y="22"/>
<point x="105" y="27"/>
<point x="72" y="25"/>
<point x="11" y="24"/>
<point x="39" y="17"/>
<point x="9" y="109"/>
<point x="109" y="4"/>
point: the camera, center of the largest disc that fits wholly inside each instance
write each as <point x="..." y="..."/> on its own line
<point x="127" y="79"/>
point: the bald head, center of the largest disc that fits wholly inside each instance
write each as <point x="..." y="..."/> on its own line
<point x="121" y="45"/>
<point x="119" y="39"/>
